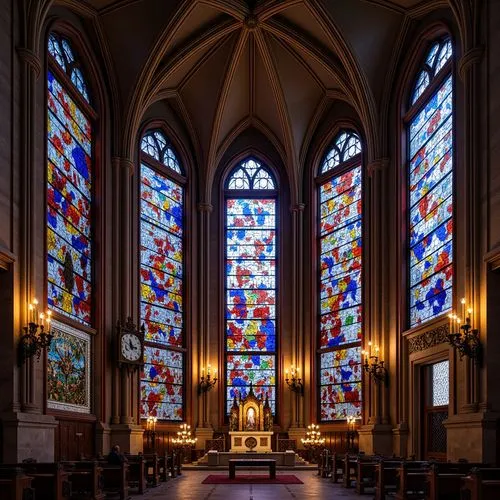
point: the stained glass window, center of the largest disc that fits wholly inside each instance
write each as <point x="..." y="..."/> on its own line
<point x="251" y="268"/>
<point x="161" y="280"/>
<point x="69" y="189"/>
<point x="340" y="265"/>
<point x="430" y="189"/>
<point x="441" y="383"/>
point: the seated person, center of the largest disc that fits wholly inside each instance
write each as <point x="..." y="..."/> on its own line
<point x="115" y="457"/>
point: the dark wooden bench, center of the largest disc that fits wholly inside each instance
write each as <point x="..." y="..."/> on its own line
<point x="412" y="480"/>
<point x="163" y="471"/>
<point x="86" y="479"/>
<point x="386" y="473"/>
<point x="366" y="474"/>
<point x="325" y="463"/>
<point x="350" y="467"/>
<point x="252" y="462"/>
<point x="49" y="480"/>
<point x="115" y="479"/>
<point x="444" y="480"/>
<point x="136" y="472"/>
<point x="153" y="469"/>
<point x="481" y="484"/>
<point x="15" y="484"/>
<point x="337" y="467"/>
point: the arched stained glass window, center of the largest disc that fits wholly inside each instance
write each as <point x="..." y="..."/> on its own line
<point x="69" y="185"/>
<point x="340" y="238"/>
<point x="161" y="279"/>
<point x="430" y="187"/>
<point x="251" y="282"/>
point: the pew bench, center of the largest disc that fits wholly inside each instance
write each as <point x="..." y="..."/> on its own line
<point x="481" y="484"/>
<point x="136" y="472"/>
<point x="115" y="479"/>
<point x="15" y="484"/>
<point x="350" y="468"/>
<point x="412" y="480"/>
<point x="86" y="479"/>
<point x="386" y="473"/>
<point x="252" y="462"/>
<point x="337" y="467"/>
<point x="444" y="480"/>
<point x="366" y="475"/>
<point x="152" y="468"/>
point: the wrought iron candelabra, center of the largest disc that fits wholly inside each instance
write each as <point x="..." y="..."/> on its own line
<point x="36" y="335"/>
<point x="374" y="366"/>
<point x="207" y="382"/>
<point x="295" y="382"/>
<point x="463" y="337"/>
<point x="151" y="432"/>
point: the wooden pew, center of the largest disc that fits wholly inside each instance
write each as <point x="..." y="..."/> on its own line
<point x="444" y="480"/>
<point x="325" y="464"/>
<point x="163" y="471"/>
<point x="350" y="468"/>
<point x="115" y="479"/>
<point x="136" y="472"/>
<point x="412" y="480"/>
<point x="481" y="484"/>
<point x="49" y="480"/>
<point x="152" y="467"/>
<point x="86" y="479"/>
<point x="366" y="473"/>
<point x="15" y="484"/>
<point x="386" y="472"/>
<point x="337" y="467"/>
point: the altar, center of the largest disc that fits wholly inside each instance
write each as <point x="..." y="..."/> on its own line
<point x="250" y="424"/>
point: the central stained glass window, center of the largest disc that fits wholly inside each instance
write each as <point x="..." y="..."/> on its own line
<point x="340" y="264"/>
<point x="161" y="279"/>
<point x="250" y="278"/>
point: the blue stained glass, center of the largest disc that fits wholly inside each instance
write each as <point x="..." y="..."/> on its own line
<point x="161" y="283"/>
<point x="250" y="267"/>
<point x="431" y="199"/>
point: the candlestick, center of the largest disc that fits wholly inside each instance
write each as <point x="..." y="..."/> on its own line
<point x="370" y="348"/>
<point x="463" y="307"/>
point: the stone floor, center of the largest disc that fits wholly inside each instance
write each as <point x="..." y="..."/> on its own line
<point x="189" y="487"/>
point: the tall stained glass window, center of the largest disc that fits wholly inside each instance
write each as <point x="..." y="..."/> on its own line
<point x="161" y="278"/>
<point x="250" y="278"/>
<point x="340" y="238"/>
<point x="430" y="186"/>
<point x="69" y="184"/>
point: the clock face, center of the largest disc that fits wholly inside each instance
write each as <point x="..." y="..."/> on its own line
<point x="131" y="347"/>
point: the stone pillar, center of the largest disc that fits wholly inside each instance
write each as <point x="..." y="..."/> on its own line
<point x="376" y="435"/>
<point x="204" y="428"/>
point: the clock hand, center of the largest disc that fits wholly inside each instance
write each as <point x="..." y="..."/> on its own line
<point x="130" y="344"/>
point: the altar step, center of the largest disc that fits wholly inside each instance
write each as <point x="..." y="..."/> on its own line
<point x="196" y="466"/>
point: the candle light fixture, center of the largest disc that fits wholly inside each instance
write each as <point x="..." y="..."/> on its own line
<point x="351" y="431"/>
<point x="373" y="365"/>
<point x="462" y="336"/>
<point x="207" y="382"/>
<point x="313" y="437"/>
<point x="295" y="382"/>
<point x="151" y="432"/>
<point x="36" y="335"/>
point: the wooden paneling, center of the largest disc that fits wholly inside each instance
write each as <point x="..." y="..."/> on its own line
<point x="75" y="440"/>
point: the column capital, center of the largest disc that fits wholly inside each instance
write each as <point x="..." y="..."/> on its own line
<point x="121" y="162"/>
<point x="298" y="207"/>
<point x="471" y="57"/>
<point x="377" y="165"/>
<point x="205" y="207"/>
<point x="31" y="59"/>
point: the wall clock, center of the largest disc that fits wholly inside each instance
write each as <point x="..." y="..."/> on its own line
<point x="130" y="344"/>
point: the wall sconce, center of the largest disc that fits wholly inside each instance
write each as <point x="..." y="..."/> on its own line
<point x="206" y="383"/>
<point x="373" y="366"/>
<point x="295" y="383"/>
<point x="35" y="337"/>
<point x="463" y="337"/>
<point x="351" y="431"/>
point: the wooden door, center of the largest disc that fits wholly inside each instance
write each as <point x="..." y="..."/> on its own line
<point x="435" y="383"/>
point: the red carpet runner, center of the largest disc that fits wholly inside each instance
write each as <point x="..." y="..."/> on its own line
<point x="251" y="479"/>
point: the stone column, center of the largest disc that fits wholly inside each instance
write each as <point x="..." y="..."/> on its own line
<point x="204" y="429"/>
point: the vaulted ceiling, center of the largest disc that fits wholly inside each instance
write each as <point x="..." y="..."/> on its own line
<point x="277" y="65"/>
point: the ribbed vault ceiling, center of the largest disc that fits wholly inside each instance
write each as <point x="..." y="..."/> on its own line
<point x="276" y="65"/>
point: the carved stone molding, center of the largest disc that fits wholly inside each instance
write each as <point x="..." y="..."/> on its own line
<point x="205" y="207"/>
<point x="31" y="59"/>
<point x="377" y="165"/>
<point x="493" y="259"/>
<point x="124" y="163"/>
<point x="472" y="56"/>
<point x="428" y="339"/>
